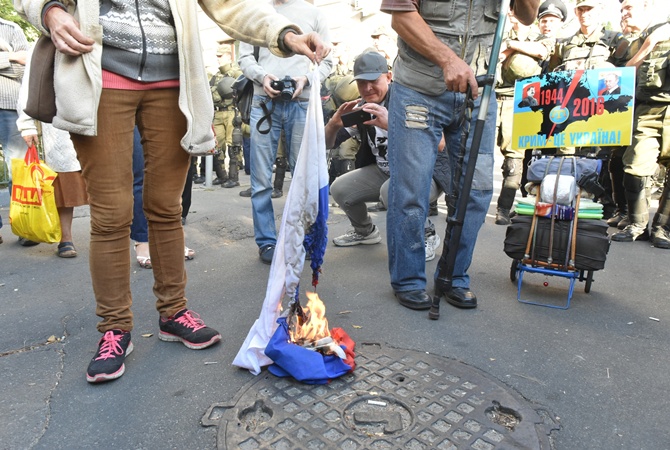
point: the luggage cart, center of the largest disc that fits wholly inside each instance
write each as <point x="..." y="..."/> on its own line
<point x="551" y="245"/>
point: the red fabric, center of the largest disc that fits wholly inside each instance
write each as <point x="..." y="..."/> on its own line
<point x="110" y="80"/>
<point x="342" y="338"/>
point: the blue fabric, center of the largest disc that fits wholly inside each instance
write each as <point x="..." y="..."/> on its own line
<point x="316" y="239"/>
<point x="412" y="153"/>
<point x="289" y="117"/>
<point x="13" y="145"/>
<point x="304" y="365"/>
<point x="139" y="229"/>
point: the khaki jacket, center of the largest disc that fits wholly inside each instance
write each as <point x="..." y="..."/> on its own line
<point x="78" y="80"/>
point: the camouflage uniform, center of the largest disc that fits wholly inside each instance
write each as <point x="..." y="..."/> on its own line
<point x="515" y="66"/>
<point x="615" y="166"/>
<point x="224" y="112"/>
<point x="651" y="146"/>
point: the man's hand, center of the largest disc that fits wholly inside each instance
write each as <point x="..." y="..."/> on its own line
<point x="31" y="139"/>
<point x="335" y="122"/>
<point x="300" y="83"/>
<point x="411" y="27"/>
<point x="309" y="44"/>
<point x="267" y="80"/>
<point x="380" y="115"/>
<point x="344" y="108"/>
<point x="65" y="33"/>
<point x="18" y="57"/>
<point x="458" y="75"/>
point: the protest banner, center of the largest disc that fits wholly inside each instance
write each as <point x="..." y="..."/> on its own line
<point x="578" y="108"/>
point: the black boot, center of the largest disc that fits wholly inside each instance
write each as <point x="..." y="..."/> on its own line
<point x="221" y="176"/>
<point x="660" y="226"/>
<point x="432" y="208"/>
<point x="638" y="210"/>
<point x="505" y="202"/>
<point x="618" y="191"/>
<point x="233" y="168"/>
<point x="512" y="170"/>
<point x="280" y="174"/>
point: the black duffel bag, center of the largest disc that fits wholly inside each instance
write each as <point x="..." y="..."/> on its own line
<point x="592" y="244"/>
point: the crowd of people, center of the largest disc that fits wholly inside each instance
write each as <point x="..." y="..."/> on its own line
<point x="402" y="146"/>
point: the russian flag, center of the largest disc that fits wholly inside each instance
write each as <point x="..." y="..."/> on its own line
<point x="303" y="229"/>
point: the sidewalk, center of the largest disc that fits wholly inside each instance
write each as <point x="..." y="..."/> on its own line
<point x="599" y="368"/>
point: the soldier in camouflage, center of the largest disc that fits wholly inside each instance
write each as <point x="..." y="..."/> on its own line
<point x="651" y="145"/>
<point x="592" y="46"/>
<point x="635" y="18"/>
<point x="525" y="53"/>
<point x="224" y="111"/>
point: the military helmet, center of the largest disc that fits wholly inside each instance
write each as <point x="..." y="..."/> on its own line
<point x="517" y="66"/>
<point x="345" y="90"/>
<point x="225" y="87"/>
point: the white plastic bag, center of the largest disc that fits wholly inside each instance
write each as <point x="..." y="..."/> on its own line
<point x="565" y="193"/>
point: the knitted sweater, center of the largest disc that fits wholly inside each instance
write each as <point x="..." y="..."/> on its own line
<point x="12" y="40"/>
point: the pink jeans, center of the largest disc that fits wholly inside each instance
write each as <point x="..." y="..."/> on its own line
<point x="106" y="161"/>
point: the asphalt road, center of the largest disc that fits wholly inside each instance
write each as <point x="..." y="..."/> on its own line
<point x="599" y="368"/>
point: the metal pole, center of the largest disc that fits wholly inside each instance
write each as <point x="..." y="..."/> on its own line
<point x="455" y="224"/>
<point x="209" y="166"/>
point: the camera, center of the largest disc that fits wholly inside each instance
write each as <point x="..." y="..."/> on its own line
<point x="286" y="87"/>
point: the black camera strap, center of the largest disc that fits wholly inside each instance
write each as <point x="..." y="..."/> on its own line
<point x="267" y="116"/>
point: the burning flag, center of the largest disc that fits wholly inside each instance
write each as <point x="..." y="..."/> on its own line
<point x="303" y="347"/>
<point x="303" y="228"/>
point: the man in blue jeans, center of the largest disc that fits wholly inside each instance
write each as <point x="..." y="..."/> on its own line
<point x="282" y="109"/>
<point x="438" y="57"/>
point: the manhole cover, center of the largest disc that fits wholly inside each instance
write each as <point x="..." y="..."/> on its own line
<point x="395" y="399"/>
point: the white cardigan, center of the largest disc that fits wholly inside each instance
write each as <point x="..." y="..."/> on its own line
<point x="59" y="152"/>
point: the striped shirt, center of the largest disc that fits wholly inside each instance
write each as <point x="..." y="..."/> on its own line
<point x="12" y="40"/>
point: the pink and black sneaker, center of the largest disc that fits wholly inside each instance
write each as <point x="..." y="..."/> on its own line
<point x="108" y="362"/>
<point x="187" y="327"/>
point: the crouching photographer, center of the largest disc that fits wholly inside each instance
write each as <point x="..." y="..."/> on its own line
<point x="367" y="121"/>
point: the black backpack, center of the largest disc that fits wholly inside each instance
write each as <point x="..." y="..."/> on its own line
<point x="244" y="93"/>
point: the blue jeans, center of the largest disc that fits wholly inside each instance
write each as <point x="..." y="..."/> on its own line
<point x="13" y="145"/>
<point x="416" y="124"/>
<point x="139" y="229"/>
<point x="289" y="117"/>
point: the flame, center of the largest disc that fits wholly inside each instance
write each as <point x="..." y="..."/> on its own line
<point x="316" y="325"/>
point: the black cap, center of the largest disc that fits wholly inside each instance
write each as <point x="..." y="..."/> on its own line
<point x="553" y="7"/>
<point x="370" y="66"/>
